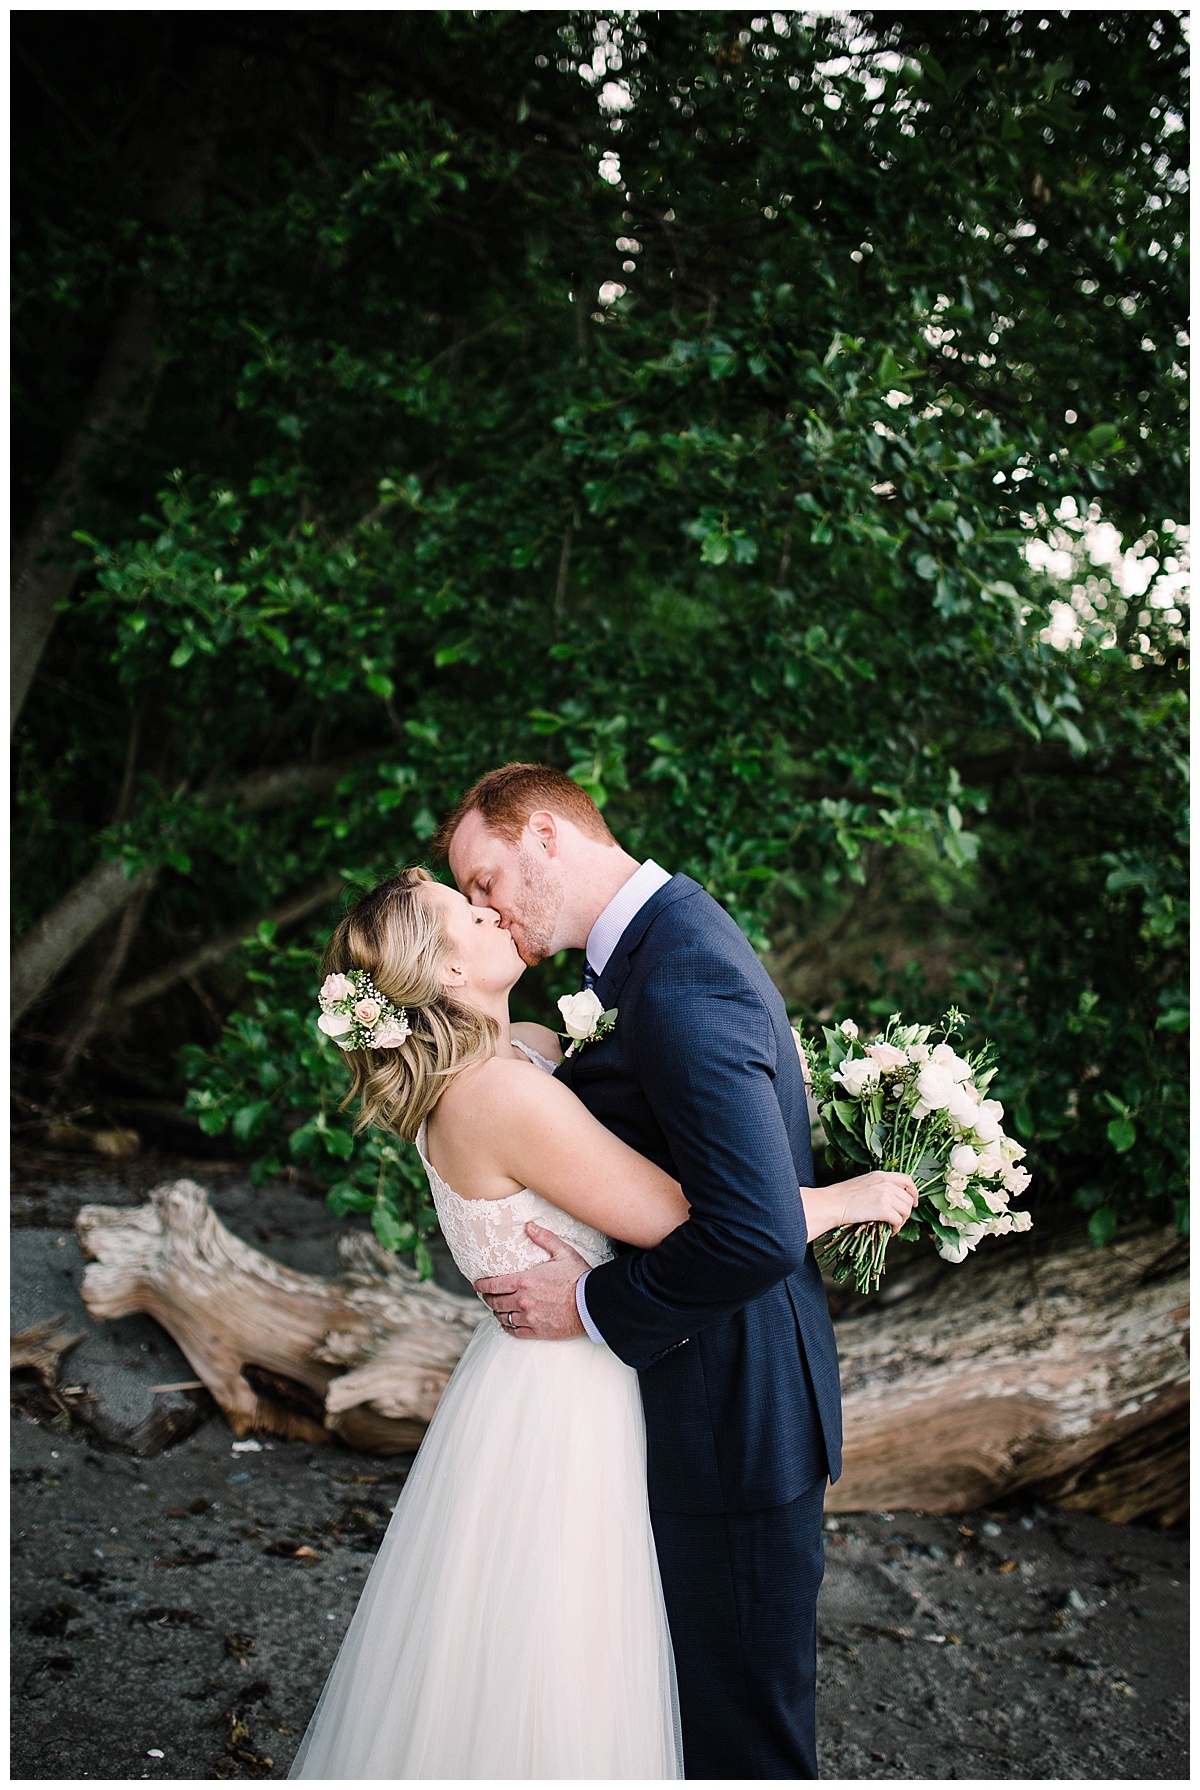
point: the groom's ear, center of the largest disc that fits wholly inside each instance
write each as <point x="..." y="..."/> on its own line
<point x="544" y="827"/>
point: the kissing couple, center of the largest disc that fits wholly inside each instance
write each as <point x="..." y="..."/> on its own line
<point x="606" y="1558"/>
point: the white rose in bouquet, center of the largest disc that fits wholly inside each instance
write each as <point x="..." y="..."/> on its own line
<point x="887" y="1056"/>
<point x="962" y="1109"/>
<point x="986" y="1126"/>
<point x="991" y="1162"/>
<point x="954" y="1066"/>
<point x="858" y="1075"/>
<point x="935" y="1090"/>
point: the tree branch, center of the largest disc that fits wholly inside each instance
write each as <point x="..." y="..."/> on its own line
<point x="81" y="1036"/>
<point x="184" y="968"/>
<point x="54" y="939"/>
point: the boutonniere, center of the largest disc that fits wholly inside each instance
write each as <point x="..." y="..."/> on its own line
<point x="585" y="1019"/>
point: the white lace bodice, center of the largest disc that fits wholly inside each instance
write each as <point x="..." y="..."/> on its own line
<point x="488" y="1236"/>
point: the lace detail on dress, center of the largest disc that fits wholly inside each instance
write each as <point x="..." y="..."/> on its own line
<point x="488" y="1237"/>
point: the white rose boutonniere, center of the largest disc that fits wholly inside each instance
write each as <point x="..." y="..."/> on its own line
<point x="584" y="1018"/>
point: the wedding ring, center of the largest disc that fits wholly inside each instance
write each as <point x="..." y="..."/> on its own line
<point x="510" y="1316"/>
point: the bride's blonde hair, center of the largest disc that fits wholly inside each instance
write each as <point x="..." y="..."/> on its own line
<point x="398" y="936"/>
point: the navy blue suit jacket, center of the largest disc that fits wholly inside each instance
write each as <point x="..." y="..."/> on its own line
<point x="726" y="1319"/>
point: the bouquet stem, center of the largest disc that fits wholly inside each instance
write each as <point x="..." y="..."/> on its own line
<point x="855" y="1249"/>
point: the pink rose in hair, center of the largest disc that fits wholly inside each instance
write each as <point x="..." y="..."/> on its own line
<point x="391" y="1034"/>
<point x="336" y="988"/>
<point x="367" y="1011"/>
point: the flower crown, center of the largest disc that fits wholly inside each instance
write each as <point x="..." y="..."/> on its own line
<point x="357" y="1017"/>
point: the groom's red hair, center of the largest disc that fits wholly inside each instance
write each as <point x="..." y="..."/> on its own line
<point x="506" y="797"/>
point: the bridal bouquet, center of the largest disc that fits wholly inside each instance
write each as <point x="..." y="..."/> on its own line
<point x="906" y="1101"/>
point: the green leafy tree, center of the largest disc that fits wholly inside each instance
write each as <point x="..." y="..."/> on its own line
<point x="674" y="398"/>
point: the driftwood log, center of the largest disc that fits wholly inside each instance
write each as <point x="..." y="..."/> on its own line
<point x="1065" y="1370"/>
<point x="365" y="1356"/>
<point x="39" y="1349"/>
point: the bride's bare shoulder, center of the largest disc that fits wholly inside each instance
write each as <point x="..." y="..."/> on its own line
<point x="539" y="1038"/>
<point x="500" y="1085"/>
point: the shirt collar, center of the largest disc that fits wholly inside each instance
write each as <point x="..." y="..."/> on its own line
<point x="629" y="899"/>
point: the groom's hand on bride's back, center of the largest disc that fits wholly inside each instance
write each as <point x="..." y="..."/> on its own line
<point x="538" y="1303"/>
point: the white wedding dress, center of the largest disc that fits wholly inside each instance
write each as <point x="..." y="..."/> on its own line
<point x="513" y="1623"/>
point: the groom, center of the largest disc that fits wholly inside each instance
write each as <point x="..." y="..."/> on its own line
<point x="726" y="1319"/>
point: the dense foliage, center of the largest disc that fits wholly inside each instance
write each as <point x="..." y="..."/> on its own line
<point x="672" y="397"/>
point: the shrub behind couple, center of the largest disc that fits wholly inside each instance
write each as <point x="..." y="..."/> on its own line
<point x="605" y="1561"/>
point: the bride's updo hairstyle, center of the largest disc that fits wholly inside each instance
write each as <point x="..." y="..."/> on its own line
<point x="396" y="934"/>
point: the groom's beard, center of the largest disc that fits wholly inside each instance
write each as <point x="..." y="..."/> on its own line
<point x="538" y="903"/>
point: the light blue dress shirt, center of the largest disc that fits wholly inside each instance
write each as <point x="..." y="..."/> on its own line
<point x="602" y="941"/>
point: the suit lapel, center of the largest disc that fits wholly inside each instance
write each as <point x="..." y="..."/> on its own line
<point x="616" y="971"/>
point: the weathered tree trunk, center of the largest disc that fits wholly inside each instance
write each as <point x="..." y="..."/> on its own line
<point x="365" y="1356"/>
<point x="53" y="940"/>
<point x="1067" y="1371"/>
<point x="286" y="914"/>
<point x="41" y="1347"/>
<point x="1019" y="1369"/>
<point x="79" y="1034"/>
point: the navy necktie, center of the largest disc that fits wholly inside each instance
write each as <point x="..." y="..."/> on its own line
<point x="589" y="976"/>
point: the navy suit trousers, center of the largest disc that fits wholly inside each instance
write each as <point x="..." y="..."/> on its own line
<point x="741" y="1594"/>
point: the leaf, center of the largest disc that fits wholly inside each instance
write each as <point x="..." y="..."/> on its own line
<point x="337" y="1142"/>
<point x="386" y="1227"/>
<point x="926" y="567"/>
<point x="1175" y="1019"/>
<point x="1122" y="1134"/>
<point x="247" y="1119"/>
<point x="1104" y="438"/>
<point x="346" y="1197"/>
<point x="1102" y="1226"/>
<point x="380" y="684"/>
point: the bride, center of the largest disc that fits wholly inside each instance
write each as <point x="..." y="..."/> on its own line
<point x="513" y="1623"/>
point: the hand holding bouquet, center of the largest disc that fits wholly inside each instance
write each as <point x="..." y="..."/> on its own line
<point x="907" y="1102"/>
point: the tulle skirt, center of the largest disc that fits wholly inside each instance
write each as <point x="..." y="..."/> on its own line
<point x="513" y="1623"/>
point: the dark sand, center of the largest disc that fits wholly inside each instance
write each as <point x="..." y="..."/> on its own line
<point x="156" y="1605"/>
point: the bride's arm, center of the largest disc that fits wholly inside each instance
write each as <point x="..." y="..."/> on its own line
<point x="546" y="1139"/>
